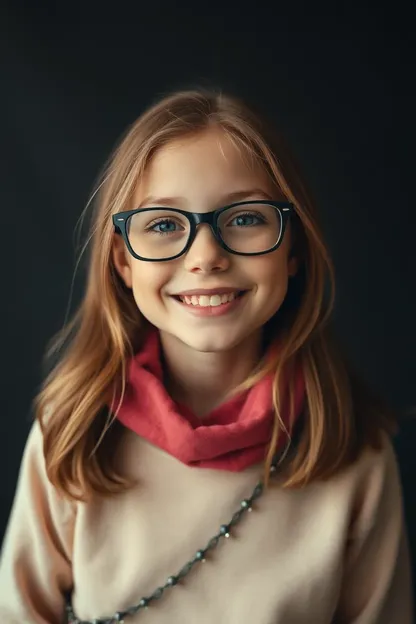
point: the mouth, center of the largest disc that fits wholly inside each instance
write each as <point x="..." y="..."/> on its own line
<point x="212" y="300"/>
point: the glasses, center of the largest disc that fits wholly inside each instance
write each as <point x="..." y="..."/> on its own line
<point x="243" y="228"/>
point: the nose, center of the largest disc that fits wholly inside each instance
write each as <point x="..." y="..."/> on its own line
<point x="205" y="254"/>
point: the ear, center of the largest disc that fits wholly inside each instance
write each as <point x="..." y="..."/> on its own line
<point x="122" y="260"/>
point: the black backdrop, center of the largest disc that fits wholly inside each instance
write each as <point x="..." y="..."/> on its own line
<point x="341" y="88"/>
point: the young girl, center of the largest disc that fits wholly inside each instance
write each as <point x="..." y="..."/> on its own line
<point x="201" y="453"/>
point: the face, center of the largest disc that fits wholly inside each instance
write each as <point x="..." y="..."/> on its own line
<point x="201" y="174"/>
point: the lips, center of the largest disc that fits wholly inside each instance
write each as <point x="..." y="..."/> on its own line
<point x="209" y="298"/>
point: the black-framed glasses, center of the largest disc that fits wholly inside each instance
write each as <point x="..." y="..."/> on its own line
<point x="246" y="228"/>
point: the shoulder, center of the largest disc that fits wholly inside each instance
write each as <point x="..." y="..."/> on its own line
<point x="374" y="479"/>
<point x="377" y="468"/>
<point x="33" y="448"/>
<point x="33" y="479"/>
<point x="378" y="460"/>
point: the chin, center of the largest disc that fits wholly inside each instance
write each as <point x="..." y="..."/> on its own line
<point x="210" y="342"/>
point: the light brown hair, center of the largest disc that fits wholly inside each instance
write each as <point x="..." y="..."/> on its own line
<point x="340" y="416"/>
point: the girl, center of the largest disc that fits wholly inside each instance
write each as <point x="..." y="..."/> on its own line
<point x="201" y="384"/>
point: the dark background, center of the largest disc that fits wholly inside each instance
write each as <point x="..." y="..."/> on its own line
<point x="341" y="87"/>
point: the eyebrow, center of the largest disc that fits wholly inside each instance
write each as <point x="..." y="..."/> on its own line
<point x="226" y="199"/>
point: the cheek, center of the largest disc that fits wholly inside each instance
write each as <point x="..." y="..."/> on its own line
<point x="272" y="278"/>
<point x="149" y="279"/>
<point x="272" y="270"/>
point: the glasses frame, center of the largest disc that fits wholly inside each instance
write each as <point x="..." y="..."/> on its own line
<point x="120" y="220"/>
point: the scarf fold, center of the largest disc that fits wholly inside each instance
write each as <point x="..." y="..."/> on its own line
<point x="233" y="436"/>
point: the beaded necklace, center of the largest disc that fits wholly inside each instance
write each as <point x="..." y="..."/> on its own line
<point x="225" y="531"/>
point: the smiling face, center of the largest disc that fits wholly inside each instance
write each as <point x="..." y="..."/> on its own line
<point x="209" y="299"/>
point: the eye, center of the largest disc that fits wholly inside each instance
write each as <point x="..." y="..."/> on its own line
<point x="247" y="219"/>
<point x="164" y="226"/>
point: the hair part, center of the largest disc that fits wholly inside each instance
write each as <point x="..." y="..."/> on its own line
<point x="76" y="406"/>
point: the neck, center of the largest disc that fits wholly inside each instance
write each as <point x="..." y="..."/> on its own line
<point x="201" y="381"/>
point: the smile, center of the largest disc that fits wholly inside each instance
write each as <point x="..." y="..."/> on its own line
<point x="211" y="304"/>
<point x="205" y="301"/>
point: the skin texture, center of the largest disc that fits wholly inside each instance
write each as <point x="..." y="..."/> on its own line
<point x="206" y="355"/>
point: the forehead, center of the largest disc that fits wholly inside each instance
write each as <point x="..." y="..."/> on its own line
<point x="202" y="168"/>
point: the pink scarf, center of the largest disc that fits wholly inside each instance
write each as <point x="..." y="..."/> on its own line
<point x="233" y="436"/>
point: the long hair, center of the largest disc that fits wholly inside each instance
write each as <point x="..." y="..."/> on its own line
<point x="76" y="403"/>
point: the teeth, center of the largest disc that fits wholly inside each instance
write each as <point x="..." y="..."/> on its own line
<point x="204" y="301"/>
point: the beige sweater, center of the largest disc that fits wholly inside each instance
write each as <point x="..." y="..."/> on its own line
<point x="332" y="552"/>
